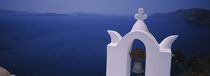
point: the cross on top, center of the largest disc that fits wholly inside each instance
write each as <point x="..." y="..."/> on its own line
<point x="140" y="15"/>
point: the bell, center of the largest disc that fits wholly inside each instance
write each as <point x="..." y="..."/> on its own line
<point x="137" y="68"/>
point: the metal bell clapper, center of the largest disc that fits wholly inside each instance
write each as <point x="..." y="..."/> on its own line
<point x="137" y="68"/>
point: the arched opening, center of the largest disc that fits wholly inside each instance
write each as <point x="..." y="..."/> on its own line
<point x="138" y="44"/>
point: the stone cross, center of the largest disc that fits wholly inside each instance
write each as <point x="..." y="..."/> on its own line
<point x="140" y="15"/>
<point x="158" y="55"/>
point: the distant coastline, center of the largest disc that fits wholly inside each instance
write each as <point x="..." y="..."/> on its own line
<point x="6" y="12"/>
<point x="194" y="15"/>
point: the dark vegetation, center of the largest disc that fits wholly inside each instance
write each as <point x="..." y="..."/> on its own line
<point x="191" y="66"/>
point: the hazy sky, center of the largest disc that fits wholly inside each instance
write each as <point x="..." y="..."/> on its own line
<point x="123" y="7"/>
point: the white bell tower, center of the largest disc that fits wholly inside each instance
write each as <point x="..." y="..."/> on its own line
<point x="158" y="55"/>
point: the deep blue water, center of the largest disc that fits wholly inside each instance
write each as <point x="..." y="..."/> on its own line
<point x="76" y="45"/>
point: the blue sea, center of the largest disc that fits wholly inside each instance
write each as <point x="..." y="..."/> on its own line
<point x="76" y="45"/>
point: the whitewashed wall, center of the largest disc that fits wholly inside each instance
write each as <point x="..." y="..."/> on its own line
<point x="158" y="56"/>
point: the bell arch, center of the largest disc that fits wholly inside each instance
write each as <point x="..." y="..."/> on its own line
<point x="150" y="45"/>
<point x="138" y="58"/>
<point x="158" y="56"/>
